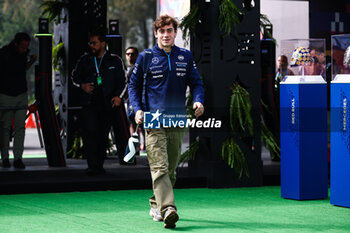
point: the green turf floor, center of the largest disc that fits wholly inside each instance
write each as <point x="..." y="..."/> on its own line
<point x="201" y="210"/>
<point x="30" y="156"/>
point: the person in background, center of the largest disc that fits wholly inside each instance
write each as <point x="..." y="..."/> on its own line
<point x="318" y="64"/>
<point x="282" y="71"/>
<point x="170" y="70"/>
<point x="14" y="62"/>
<point x="282" y="68"/>
<point x="101" y="77"/>
<point x="131" y="54"/>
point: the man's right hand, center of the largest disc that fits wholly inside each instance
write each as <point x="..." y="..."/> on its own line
<point x="139" y="117"/>
<point x="87" y="87"/>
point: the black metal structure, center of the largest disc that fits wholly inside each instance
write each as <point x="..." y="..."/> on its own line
<point x="223" y="60"/>
<point x="114" y="38"/>
<point x="77" y="20"/>
<point x="43" y="95"/>
<point x="1" y="137"/>
<point x="269" y="93"/>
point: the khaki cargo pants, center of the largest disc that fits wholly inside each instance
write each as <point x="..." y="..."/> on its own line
<point x="19" y="130"/>
<point x="163" y="151"/>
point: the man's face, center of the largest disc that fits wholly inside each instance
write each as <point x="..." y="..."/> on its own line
<point x="96" y="45"/>
<point x="131" y="56"/>
<point x="165" y="36"/>
<point x="319" y="55"/>
<point x="22" y="47"/>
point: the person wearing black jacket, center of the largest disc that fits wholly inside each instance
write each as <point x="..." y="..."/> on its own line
<point x="101" y="77"/>
<point x="14" y="62"/>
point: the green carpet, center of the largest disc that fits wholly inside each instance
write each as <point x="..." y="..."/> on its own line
<point x="201" y="210"/>
<point x="30" y="156"/>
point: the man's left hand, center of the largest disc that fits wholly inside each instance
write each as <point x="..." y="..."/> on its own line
<point x="116" y="101"/>
<point x="199" y="109"/>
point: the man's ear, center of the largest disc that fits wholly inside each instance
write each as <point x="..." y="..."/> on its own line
<point x="155" y="34"/>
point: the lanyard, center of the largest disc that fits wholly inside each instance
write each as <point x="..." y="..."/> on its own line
<point x="97" y="66"/>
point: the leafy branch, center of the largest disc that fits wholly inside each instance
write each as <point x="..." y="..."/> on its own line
<point x="229" y="16"/>
<point x="269" y="141"/>
<point x="264" y="22"/>
<point x="53" y="9"/>
<point x="76" y="150"/>
<point x="234" y="156"/>
<point x="190" y="153"/>
<point x="189" y="23"/>
<point x="241" y="121"/>
<point x="240" y="107"/>
<point x="58" y="56"/>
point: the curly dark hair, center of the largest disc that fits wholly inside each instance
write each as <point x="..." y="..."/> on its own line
<point x="164" y="20"/>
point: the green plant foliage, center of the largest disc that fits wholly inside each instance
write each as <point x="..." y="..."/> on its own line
<point x="240" y="110"/>
<point x="189" y="23"/>
<point x="234" y="157"/>
<point x="242" y="121"/>
<point x="269" y="140"/>
<point x="53" y="9"/>
<point x="228" y="16"/>
<point x="76" y="150"/>
<point x="58" y="56"/>
<point x="190" y="153"/>
<point x="264" y="20"/>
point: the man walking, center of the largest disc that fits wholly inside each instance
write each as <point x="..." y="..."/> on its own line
<point x="168" y="74"/>
<point x="101" y="77"/>
<point x="13" y="96"/>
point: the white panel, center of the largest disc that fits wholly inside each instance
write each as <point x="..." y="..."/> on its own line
<point x="177" y="9"/>
<point x="290" y="19"/>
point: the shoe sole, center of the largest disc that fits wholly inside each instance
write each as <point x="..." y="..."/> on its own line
<point x="171" y="219"/>
<point x="157" y="219"/>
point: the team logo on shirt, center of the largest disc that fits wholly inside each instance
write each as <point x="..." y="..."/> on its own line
<point x="181" y="58"/>
<point x="155" y="60"/>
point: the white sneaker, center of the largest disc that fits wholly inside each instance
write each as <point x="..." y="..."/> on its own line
<point x="170" y="218"/>
<point x="155" y="214"/>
